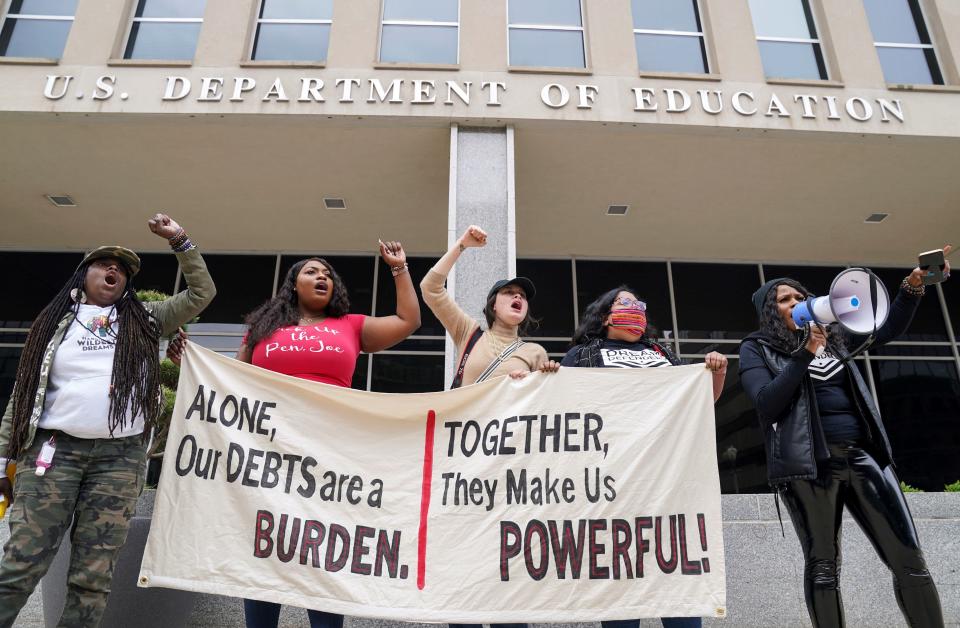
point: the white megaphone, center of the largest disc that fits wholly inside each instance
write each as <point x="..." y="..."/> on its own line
<point x="857" y="300"/>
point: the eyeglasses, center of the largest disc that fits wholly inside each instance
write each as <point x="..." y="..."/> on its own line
<point x="631" y="303"/>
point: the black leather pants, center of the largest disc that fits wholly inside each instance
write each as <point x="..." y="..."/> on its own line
<point x="852" y="478"/>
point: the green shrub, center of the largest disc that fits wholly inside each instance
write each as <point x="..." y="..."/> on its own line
<point x="906" y="488"/>
<point x="952" y="488"/>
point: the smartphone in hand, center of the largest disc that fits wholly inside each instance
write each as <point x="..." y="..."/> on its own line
<point x="932" y="264"/>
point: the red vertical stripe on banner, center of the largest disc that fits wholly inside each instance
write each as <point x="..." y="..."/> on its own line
<point x="425" y="498"/>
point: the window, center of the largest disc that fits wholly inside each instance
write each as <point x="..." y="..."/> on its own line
<point x="546" y="33"/>
<point x="787" y="38"/>
<point x="165" y="29"/>
<point x="37" y="28"/>
<point x="903" y="42"/>
<point x="420" y="31"/>
<point x="669" y="36"/>
<point x="293" y="30"/>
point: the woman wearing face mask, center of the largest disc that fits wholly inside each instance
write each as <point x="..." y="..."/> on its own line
<point x="613" y="334"/>
<point x="496" y="351"/>
<point x="827" y="448"/>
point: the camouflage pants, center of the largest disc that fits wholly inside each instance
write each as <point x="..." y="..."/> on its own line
<point x="95" y="484"/>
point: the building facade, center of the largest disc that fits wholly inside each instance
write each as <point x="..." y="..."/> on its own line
<point x="689" y="148"/>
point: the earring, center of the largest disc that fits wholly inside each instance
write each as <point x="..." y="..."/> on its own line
<point x="78" y="296"/>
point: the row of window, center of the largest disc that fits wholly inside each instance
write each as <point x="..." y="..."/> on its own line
<point x="669" y="35"/>
<point x="915" y="380"/>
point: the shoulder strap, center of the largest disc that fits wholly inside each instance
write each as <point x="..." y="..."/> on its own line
<point x="474" y="337"/>
<point x="497" y="361"/>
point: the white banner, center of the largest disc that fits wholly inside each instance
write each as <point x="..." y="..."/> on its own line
<point x="582" y="495"/>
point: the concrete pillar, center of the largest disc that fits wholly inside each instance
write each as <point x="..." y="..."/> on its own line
<point x="481" y="193"/>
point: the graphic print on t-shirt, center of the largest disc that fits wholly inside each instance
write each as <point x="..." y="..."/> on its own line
<point x="101" y="328"/>
<point x="632" y="358"/>
<point x="825" y="366"/>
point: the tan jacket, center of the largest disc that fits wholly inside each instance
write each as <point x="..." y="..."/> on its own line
<point x="170" y="314"/>
<point x="530" y="356"/>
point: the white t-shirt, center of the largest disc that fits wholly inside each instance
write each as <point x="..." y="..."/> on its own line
<point x="78" y="394"/>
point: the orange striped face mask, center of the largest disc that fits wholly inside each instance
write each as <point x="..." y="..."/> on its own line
<point x="633" y="320"/>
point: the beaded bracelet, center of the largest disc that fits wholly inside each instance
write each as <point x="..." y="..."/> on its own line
<point x="918" y="291"/>
<point x="180" y="243"/>
<point x="398" y="270"/>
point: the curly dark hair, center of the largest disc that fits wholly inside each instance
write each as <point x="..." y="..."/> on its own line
<point x="528" y="322"/>
<point x="282" y="310"/>
<point x="135" y="377"/>
<point x="591" y="323"/>
<point x="773" y="327"/>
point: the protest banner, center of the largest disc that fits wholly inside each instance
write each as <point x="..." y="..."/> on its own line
<point x="582" y="495"/>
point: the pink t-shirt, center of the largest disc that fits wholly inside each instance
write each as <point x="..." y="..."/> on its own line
<point x="323" y="352"/>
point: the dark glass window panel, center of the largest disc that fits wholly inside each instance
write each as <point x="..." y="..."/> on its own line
<point x="53" y="269"/>
<point x="407" y="373"/>
<point x="782" y="18"/>
<point x="297" y="9"/>
<point x="12" y="337"/>
<point x="418" y="44"/>
<point x="920" y="405"/>
<point x="43" y="7"/>
<point x="704" y="312"/>
<point x="387" y="294"/>
<point x="421" y="10"/>
<point x="910" y="66"/>
<point x="927" y="323"/>
<point x="702" y="348"/>
<point x="951" y="295"/>
<point x="419" y="343"/>
<point x="911" y="350"/>
<point x="649" y="279"/>
<point x="896" y="21"/>
<point x="671" y="53"/>
<point x="170" y="8"/>
<point x="740" y="453"/>
<point x="816" y="279"/>
<point x="672" y="15"/>
<point x="34" y="38"/>
<point x="243" y="283"/>
<point x="360" y="373"/>
<point x="355" y="271"/>
<point x="553" y="304"/>
<point x="553" y="347"/>
<point x="9" y="360"/>
<point x="545" y="12"/>
<point x="291" y="42"/>
<point x="163" y="40"/>
<point x="546" y="49"/>
<point x="158" y="271"/>
<point x="792" y="60"/>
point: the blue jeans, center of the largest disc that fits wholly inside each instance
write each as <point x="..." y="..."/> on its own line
<point x="259" y="614"/>
<point x="668" y="622"/>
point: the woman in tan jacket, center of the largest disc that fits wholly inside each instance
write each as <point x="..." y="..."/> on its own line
<point x="498" y="350"/>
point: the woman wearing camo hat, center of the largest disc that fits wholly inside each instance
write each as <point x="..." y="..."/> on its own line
<point x="85" y="398"/>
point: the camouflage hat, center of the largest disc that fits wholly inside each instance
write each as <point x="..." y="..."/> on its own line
<point x="125" y="255"/>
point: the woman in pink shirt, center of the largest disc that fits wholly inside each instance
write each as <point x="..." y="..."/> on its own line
<point x="306" y="331"/>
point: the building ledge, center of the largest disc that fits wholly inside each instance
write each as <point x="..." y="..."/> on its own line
<point x="526" y="69"/>
<point x="447" y="67"/>
<point x="28" y="61"/>
<point x="943" y="89"/>
<point x="254" y="63"/>
<point x="150" y="63"/>
<point x="682" y="76"/>
<point x="805" y="82"/>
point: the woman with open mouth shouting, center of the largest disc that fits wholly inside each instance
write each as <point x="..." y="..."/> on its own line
<point x="85" y="398"/>
<point x="307" y="331"/>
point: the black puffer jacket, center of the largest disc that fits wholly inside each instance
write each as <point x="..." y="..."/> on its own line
<point x="783" y="394"/>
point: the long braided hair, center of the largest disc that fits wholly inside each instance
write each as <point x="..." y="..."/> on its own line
<point x="283" y="310"/>
<point x="135" y="378"/>
<point x="773" y="327"/>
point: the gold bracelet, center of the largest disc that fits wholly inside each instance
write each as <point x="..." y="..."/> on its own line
<point x="398" y="270"/>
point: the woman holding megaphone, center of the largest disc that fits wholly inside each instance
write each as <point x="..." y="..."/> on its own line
<point x="827" y="448"/>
